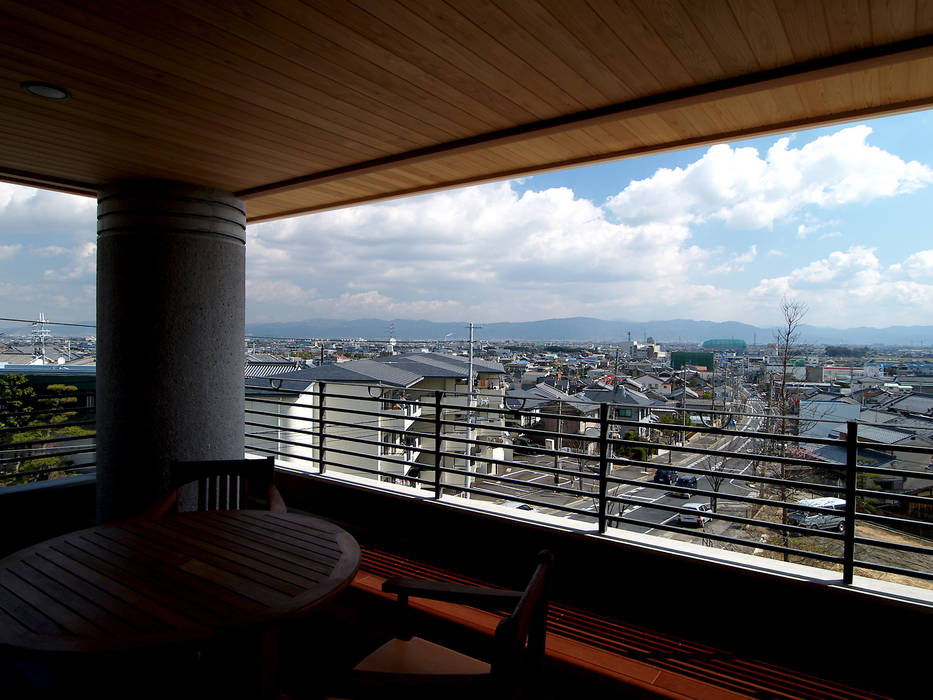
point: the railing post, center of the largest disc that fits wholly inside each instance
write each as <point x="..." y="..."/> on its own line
<point x="322" y="411"/>
<point x="848" y="554"/>
<point x="437" y="444"/>
<point x="603" y="464"/>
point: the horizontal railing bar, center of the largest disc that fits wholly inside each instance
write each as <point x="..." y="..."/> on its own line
<point x="330" y="448"/>
<point x="39" y="441"/>
<point x="893" y="496"/>
<point x="723" y="516"/>
<point x="343" y="438"/>
<point x="888" y="569"/>
<point x="46" y="426"/>
<point x="725" y="538"/>
<point x="890" y="520"/>
<point x="45" y="411"/>
<point x="64" y="453"/>
<point x="899" y="546"/>
<point x="328" y="463"/>
<point x="517" y="482"/>
<point x="47" y="470"/>
<point x="888" y="471"/>
<point x="499" y="496"/>
<point x="723" y="497"/>
<point x="755" y="478"/>
<point x="750" y="456"/>
<point x="542" y="468"/>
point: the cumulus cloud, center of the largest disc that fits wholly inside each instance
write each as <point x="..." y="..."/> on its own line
<point x="83" y="264"/>
<point x="487" y="249"/>
<point x="498" y="251"/>
<point x="27" y="209"/>
<point x="743" y="190"/>
<point x="854" y="285"/>
<point x="684" y="241"/>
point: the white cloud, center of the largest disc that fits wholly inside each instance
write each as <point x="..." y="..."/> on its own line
<point x="488" y="250"/>
<point x="50" y="251"/>
<point x="83" y="264"/>
<point x="736" y="261"/>
<point x="738" y="187"/>
<point x="853" y="288"/>
<point x="9" y="251"/>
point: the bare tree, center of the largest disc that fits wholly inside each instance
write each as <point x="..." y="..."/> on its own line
<point x="716" y="467"/>
<point x="788" y="336"/>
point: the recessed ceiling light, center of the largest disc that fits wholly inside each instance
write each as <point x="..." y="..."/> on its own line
<point x="45" y="90"/>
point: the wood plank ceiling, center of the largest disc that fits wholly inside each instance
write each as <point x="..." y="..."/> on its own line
<point x="306" y="106"/>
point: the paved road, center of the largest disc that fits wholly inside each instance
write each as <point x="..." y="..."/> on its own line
<point x="538" y="486"/>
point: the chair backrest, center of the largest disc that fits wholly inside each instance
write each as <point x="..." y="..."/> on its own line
<point x="229" y="484"/>
<point x="520" y="637"/>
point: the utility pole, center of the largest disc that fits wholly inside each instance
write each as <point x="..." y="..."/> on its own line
<point x="470" y="416"/>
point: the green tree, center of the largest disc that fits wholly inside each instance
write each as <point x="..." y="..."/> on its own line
<point x="17" y="400"/>
<point x="43" y="418"/>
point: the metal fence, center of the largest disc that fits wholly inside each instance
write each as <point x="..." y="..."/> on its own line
<point x="47" y="443"/>
<point x="581" y="464"/>
<point x="753" y="490"/>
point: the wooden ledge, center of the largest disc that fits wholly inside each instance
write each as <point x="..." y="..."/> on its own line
<point x="652" y="663"/>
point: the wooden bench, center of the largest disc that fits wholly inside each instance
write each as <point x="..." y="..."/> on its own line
<point x="649" y="663"/>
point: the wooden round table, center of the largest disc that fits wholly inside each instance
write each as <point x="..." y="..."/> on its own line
<point x="182" y="577"/>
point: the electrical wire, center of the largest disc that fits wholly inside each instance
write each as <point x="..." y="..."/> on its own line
<point x="48" y="323"/>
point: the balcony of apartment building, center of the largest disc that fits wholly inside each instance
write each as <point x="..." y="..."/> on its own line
<point x="188" y="121"/>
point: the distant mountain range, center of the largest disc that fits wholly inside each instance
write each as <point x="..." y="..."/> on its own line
<point x="581" y="329"/>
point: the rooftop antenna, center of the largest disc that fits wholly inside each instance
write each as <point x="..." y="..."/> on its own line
<point x="40" y="333"/>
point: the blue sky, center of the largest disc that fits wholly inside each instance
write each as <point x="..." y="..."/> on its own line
<point x="837" y="217"/>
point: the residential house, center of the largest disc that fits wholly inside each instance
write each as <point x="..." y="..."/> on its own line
<point x="652" y="382"/>
<point x="380" y="413"/>
<point x="554" y="411"/>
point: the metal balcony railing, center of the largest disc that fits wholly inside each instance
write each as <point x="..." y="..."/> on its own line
<point x="579" y="465"/>
<point x="46" y="443"/>
<point x="602" y="471"/>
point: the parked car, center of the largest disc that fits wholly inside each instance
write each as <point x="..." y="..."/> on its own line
<point x="522" y="445"/>
<point x="664" y="476"/>
<point x="689" y="481"/>
<point x="696" y="518"/>
<point x="518" y="505"/>
<point x="819" y="521"/>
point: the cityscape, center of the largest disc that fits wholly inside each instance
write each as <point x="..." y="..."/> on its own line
<point x="691" y="426"/>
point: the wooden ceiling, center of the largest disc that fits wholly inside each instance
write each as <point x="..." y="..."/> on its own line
<point x="306" y="106"/>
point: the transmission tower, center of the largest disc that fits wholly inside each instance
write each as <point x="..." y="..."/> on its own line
<point x="40" y="334"/>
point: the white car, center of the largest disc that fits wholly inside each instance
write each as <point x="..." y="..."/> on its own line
<point x="518" y="505"/>
<point x="696" y="518"/>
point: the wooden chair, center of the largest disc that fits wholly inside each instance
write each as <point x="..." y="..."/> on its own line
<point x="415" y="667"/>
<point x="229" y="484"/>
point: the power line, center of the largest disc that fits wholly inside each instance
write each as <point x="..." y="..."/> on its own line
<point x="48" y="323"/>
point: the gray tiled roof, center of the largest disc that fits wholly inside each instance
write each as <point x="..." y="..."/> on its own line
<point x="888" y="436"/>
<point x="837" y="454"/>
<point x="357" y="371"/>
<point x="619" y="395"/>
<point x="421" y="368"/>
<point x="456" y="362"/>
<point x="538" y="395"/>
<point x="915" y="403"/>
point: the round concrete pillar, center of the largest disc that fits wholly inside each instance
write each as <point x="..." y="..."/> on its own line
<point x="171" y="260"/>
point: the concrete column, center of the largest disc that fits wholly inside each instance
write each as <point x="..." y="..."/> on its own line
<point x="170" y="326"/>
